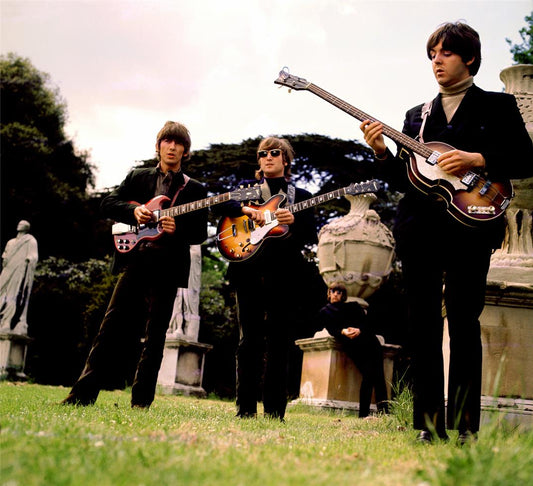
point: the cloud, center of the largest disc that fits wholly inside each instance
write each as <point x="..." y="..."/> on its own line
<point x="126" y="66"/>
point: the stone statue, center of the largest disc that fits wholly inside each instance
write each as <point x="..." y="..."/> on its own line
<point x="18" y="268"/>
<point x="185" y="320"/>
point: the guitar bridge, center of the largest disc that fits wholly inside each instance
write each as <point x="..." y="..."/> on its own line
<point x="480" y="210"/>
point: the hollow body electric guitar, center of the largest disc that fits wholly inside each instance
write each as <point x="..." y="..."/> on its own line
<point x="470" y="199"/>
<point x="239" y="238"/>
<point x="127" y="236"/>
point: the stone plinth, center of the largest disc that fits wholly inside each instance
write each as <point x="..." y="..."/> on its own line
<point x="507" y="341"/>
<point x="182" y="367"/>
<point x="13" y="356"/>
<point x="330" y="378"/>
<point x="507" y="334"/>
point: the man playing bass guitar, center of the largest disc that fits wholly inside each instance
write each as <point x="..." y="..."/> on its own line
<point x="489" y="138"/>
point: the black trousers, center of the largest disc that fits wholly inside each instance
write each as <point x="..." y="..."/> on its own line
<point x="136" y="321"/>
<point x="460" y="262"/>
<point x="262" y="352"/>
<point x="365" y="351"/>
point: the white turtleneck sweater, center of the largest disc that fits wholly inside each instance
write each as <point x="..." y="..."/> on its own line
<point x="452" y="96"/>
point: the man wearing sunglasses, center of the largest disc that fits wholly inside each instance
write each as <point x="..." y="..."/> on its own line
<point x="266" y="317"/>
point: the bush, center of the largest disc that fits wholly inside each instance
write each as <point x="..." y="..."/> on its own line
<point x="67" y="305"/>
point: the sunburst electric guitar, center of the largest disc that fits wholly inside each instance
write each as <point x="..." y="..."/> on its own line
<point x="127" y="236"/>
<point x="239" y="238"/>
<point x="470" y="199"/>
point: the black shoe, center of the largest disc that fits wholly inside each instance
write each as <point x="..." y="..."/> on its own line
<point x="246" y="415"/>
<point x="426" y="437"/>
<point x="274" y="416"/>
<point x="466" y="437"/>
<point x="72" y="399"/>
<point x="140" y="405"/>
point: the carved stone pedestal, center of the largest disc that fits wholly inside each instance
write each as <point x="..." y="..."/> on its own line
<point x="329" y="377"/>
<point x="13" y="356"/>
<point x="182" y="367"/>
<point x="507" y="336"/>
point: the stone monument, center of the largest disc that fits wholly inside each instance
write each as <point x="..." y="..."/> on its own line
<point x="19" y="260"/>
<point x="183" y="362"/>
<point x="358" y="250"/>
<point x="507" y="320"/>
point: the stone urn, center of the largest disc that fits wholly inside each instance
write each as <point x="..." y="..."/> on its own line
<point x="513" y="262"/>
<point x="356" y="249"/>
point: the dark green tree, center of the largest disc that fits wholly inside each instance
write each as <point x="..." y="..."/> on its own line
<point x="44" y="179"/>
<point x="523" y="53"/>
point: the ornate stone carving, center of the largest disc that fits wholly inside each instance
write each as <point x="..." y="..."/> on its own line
<point x="356" y="249"/>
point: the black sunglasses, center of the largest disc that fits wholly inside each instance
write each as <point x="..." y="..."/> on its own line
<point x="336" y="291"/>
<point x="273" y="152"/>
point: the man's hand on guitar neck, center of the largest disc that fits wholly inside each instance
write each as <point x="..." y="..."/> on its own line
<point x="374" y="136"/>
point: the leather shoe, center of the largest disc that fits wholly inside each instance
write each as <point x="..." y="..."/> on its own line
<point x="466" y="437"/>
<point x="246" y="415"/>
<point x="72" y="399"/>
<point x="426" y="437"/>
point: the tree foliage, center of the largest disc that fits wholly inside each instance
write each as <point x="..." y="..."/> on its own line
<point x="523" y="53"/>
<point x="43" y="178"/>
<point x="47" y="181"/>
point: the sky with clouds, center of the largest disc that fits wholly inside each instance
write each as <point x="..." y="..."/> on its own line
<point x="124" y="67"/>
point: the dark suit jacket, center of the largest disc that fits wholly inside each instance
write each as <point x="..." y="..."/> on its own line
<point x="191" y="228"/>
<point x="485" y="122"/>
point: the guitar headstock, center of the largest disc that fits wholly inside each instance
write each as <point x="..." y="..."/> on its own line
<point x="246" y="193"/>
<point x="292" y="82"/>
<point x="363" y="187"/>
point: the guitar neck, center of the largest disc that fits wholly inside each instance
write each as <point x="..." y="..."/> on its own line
<point x="315" y="201"/>
<point x="390" y="132"/>
<point x="196" y="205"/>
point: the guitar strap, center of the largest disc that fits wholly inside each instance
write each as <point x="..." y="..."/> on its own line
<point x="426" y="111"/>
<point x="186" y="179"/>
<point x="266" y="194"/>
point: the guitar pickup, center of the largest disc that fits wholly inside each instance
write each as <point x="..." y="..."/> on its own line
<point x="268" y="217"/>
<point x="485" y="188"/>
<point x="122" y="228"/>
<point x="248" y="225"/>
<point x="470" y="179"/>
<point x="432" y="159"/>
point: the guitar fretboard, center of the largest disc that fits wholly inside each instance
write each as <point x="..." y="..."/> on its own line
<point x="390" y="132"/>
<point x="195" y="205"/>
<point x="322" y="198"/>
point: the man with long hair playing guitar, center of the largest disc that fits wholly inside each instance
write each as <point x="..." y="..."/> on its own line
<point x="435" y="248"/>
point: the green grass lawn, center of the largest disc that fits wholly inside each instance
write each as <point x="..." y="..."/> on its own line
<point x="184" y="440"/>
